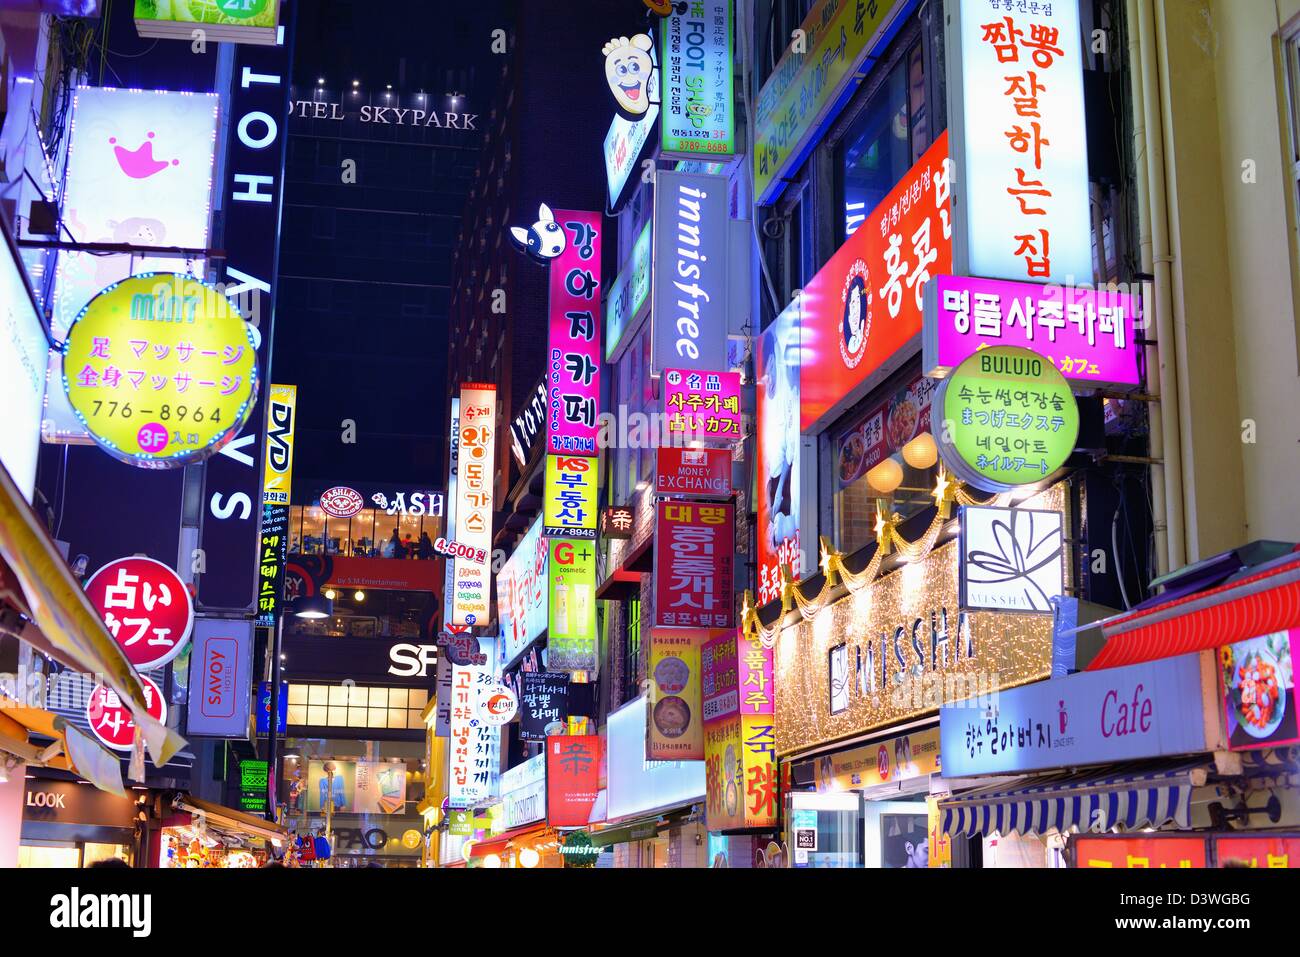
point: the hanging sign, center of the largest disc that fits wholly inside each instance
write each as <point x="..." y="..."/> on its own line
<point x="571" y="639"/>
<point x="161" y="369"/>
<point x="1259" y="696"/>
<point x="1012" y="559"/>
<point x="544" y="704"/>
<point x="572" y="779"/>
<point x="703" y="406"/>
<point x="693" y="473"/>
<point x="570" y="493"/>
<point x="1089" y="334"/>
<point x="1005" y="418"/>
<point x="146" y="608"/>
<point x="627" y="295"/>
<point x="739" y="733"/>
<point x="474" y="500"/>
<point x="573" y="343"/>
<point x="1016" y="110"/>
<point x="699" y="103"/>
<point x="110" y="719"/>
<point x="497" y="704"/>
<point x="633" y="79"/>
<point x="694" y="565"/>
<point x="282" y="410"/>
<point x="220" y="679"/>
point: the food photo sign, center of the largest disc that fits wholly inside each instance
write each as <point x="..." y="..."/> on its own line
<point x="1259" y="696"/>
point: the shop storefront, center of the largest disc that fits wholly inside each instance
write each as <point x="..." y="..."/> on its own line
<point x="201" y="834"/>
<point x="362" y="521"/>
<point x="74" y="824"/>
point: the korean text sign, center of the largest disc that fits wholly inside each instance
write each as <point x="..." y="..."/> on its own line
<point x="146" y="608"/>
<point x="779" y="447"/>
<point x="572" y="779"/>
<point x="473" y="746"/>
<point x="810" y="83"/>
<point x="699" y="103"/>
<point x="543" y="702"/>
<point x="522" y="591"/>
<point x="110" y="718"/>
<point x="570" y="493"/>
<point x="572" y="638"/>
<point x="739" y="733"/>
<point x="573" y="347"/>
<point x="161" y="370"/>
<point x="694" y="558"/>
<point x="693" y="473"/>
<point x="703" y="406"/>
<point x="1135" y="712"/>
<point x="867" y="302"/>
<point x="675" y="729"/>
<point x="474" y="499"/>
<point x="281" y="411"/>
<point x="688" y="312"/>
<point x="1005" y="417"/>
<point x="1015" y="91"/>
<point x="1090" y="335"/>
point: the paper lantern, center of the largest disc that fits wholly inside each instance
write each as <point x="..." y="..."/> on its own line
<point x="886" y="476"/>
<point x="921" y="452"/>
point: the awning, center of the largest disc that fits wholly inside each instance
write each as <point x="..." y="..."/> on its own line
<point x="36" y="580"/>
<point x="72" y="750"/>
<point x="1259" y="603"/>
<point x="639" y="829"/>
<point x="1091" y="801"/>
<point x="495" y="845"/>
<point x="236" y="823"/>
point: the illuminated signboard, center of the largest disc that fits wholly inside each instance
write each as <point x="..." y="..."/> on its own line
<point x="694" y="564"/>
<point x="570" y="507"/>
<point x="473" y="745"/>
<point x="23" y="361"/>
<point x="223" y="21"/>
<point x="140" y="173"/>
<point x="703" y="405"/>
<point x="628" y="295"/>
<point x="778" y="505"/>
<point x="449" y="575"/>
<point x="572" y="640"/>
<point x="161" y="369"/>
<point x="811" y="83"/>
<point x="573" y="341"/>
<point x="633" y="79"/>
<point x="281" y="411"/>
<point x="522" y="591"/>
<point x="739" y="733"/>
<point x="689" y="317"/>
<point x="699" y="103"/>
<point x="221" y="666"/>
<point x="676" y="721"/>
<point x="474" y="499"/>
<point x="110" y="719"/>
<point x="1005" y="418"/>
<point x="145" y="606"/>
<point x="1015" y="93"/>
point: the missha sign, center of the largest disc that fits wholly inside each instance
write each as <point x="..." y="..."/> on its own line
<point x="386" y="115"/>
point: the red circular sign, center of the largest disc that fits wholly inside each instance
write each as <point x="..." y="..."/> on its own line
<point x="110" y="719"/>
<point x="882" y="763"/>
<point x="146" y="608"/>
<point x="341" y="501"/>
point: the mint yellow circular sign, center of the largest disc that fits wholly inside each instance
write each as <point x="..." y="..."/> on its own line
<point x="1005" y="417"/>
<point x="161" y="369"/>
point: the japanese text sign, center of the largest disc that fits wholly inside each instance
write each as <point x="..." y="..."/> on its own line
<point x="110" y="718"/>
<point x="161" y="369"/>
<point x="544" y="704"/>
<point x="703" y="406"/>
<point x="570" y="493"/>
<point x="811" y="82"/>
<point x="694" y="557"/>
<point x="675" y="729"/>
<point x="699" y="113"/>
<point x="1090" y="335"/>
<point x="1005" y="417"/>
<point x="867" y="302"/>
<point x="474" y="500"/>
<point x="689" y="308"/>
<point x="572" y="638"/>
<point x="146" y="608"/>
<point x="572" y="779"/>
<point x="573" y="345"/>
<point x="1015" y="93"/>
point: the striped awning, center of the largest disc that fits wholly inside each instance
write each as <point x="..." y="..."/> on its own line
<point x="1096" y="801"/>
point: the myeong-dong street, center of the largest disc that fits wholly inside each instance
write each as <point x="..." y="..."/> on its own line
<point x="635" y="434"/>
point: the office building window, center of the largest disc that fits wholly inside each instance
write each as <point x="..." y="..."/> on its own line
<point x="340" y="706"/>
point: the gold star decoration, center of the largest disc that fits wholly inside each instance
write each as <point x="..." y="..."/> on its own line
<point x="945" y="491"/>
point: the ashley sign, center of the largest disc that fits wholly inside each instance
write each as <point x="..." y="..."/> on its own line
<point x="390" y="115"/>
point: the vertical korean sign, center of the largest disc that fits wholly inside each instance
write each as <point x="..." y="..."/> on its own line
<point x="232" y="481"/>
<point x="474" y="492"/>
<point x="1015" y="88"/>
<point x="739" y="732"/>
<point x="694" y="558"/>
<point x="277" y="487"/>
<point x="698" y="104"/>
<point x="473" y="765"/>
<point x="572" y="779"/>
<point x="573" y="347"/>
<point x="571" y="641"/>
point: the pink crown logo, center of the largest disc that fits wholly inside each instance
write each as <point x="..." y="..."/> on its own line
<point x="139" y="162"/>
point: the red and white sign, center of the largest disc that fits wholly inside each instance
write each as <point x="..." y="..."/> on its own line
<point x="866" y="303"/>
<point x="475" y="472"/>
<point x="341" y="501"/>
<point x="694" y="565"/>
<point x="693" y="473"/>
<point x="460" y="550"/>
<point x="111" y="720"/>
<point x="497" y="704"/>
<point x="146" y="608"/>
<point x="572" y="779"/>
<point x="703" y="405"/>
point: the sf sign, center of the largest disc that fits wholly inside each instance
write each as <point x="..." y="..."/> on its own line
<point x="412" y="661"/>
